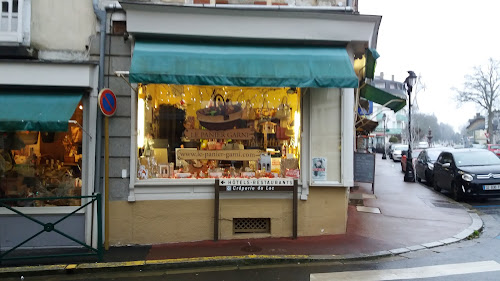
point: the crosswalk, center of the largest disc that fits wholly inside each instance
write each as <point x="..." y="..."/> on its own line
<point x="410" y="273"/>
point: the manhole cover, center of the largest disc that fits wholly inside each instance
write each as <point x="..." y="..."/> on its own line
<point x="251" y="249"/>
<point x="448" y="205"/>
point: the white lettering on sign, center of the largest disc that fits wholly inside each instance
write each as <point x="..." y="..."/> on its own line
<point x="257" y="182"/>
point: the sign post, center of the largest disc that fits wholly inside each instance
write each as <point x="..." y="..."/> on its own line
<point x="107" y="104"/>
<point x="237" y="185"/>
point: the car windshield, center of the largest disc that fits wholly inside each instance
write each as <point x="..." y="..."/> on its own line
<point x="476" y="158"/>
<point x="495" y="147"/>
<point x="433" y="154"/>
<point x="401" y="147"/>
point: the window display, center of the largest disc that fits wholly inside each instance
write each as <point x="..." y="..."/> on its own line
<point x="42" y="164"/>
<point x="195" y="132"/>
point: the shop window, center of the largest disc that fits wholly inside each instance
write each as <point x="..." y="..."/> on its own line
<point x="42" y="164"/>
<point x="194" y="132"/>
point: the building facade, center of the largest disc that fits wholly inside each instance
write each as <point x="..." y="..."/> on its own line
<point x="173" y="161"/>
<point x="48" y="109"/>
<point x="258" y="110"/>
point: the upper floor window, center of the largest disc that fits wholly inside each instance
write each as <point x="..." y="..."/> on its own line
<point x="11" y="21"/>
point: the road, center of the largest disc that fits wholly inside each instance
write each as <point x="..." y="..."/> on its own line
<point x="477" y="259"/>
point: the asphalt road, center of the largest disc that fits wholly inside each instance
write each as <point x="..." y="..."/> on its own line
<point x="476" y="259"/>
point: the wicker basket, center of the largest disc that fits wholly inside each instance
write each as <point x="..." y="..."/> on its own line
<point x="219" y="122"/>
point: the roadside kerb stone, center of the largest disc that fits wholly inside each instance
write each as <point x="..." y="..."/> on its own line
<point x="432" y="244"/>
<point x="464" y="234"/>
<point x="399" y="251"/>
<point x="416" y="247"/>
<point x="449" y="241"/>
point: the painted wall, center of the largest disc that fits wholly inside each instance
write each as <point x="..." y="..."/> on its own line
<point x="153" y="222"/>
<point x="62" y="24"/>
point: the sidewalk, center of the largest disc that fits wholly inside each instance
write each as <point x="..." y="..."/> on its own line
<point x="412" y="217"/>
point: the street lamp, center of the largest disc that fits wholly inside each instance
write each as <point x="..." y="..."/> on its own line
<point x="383" y="119"/>
<point x="409" y="82"/>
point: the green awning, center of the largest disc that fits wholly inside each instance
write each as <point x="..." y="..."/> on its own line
<point x="393" y="99"/>
<point x="37" y="110"/>
<point x="241" y="65"/>
<point x="371" y="60"/>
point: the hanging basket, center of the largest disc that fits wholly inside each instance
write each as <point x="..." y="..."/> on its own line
<point x="221" y="115"/>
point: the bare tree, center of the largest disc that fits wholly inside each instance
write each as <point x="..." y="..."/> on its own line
<point x="482" y="88"/>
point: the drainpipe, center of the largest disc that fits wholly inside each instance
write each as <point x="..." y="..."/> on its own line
<point x="101" y="16"/>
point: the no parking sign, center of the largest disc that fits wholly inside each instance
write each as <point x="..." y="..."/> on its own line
<point x="107" y="102"/>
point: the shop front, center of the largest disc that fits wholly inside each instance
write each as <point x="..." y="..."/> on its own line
<point x="212" y="107"/>
<point x="47" y="144"/>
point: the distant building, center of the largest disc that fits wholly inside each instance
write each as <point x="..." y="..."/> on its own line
<point x="476" y="131"/>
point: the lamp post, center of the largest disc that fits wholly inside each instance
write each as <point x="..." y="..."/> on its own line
<point x="409" y="82"/>
<point x="383" y="119"/>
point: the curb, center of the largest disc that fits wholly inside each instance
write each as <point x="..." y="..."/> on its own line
<point x="476" y="225"/>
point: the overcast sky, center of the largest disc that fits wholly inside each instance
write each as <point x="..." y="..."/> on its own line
<point x="441" y="40"/>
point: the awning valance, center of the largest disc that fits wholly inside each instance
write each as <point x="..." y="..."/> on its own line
<point x="37" y="110"/>
<point x="394" y="100"/>
<point x="241" y="65"/>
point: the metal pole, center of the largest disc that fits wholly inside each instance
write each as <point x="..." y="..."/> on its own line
<point x="409" y="175"/>
<point x="216" y="211"/>
<point x="295" y="208"/>
<point x="106" y="183"/>
<point x="384" y="156"/>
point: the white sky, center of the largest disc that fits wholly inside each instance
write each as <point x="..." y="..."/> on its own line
<point x="441" y="40"/>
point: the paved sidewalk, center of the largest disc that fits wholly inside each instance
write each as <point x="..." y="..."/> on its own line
<point x="412" y="217"/>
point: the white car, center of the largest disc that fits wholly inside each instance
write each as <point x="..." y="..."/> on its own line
<point x="397" y="152"/>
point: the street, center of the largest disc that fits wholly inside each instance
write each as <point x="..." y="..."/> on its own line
<point x="476" y="259"/>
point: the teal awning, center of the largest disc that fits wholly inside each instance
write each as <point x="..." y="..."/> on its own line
<point x="371" y="60"/>
<point x="393" y="99"/>
<point x="241" y="65"/>
<point x="37" y="110"/>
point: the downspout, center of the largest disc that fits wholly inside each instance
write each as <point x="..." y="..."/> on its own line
<point x="101" y="16"/>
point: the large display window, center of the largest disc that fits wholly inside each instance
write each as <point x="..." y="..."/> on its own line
<point x="196" y="132"/>
<point x="42" y="164"/>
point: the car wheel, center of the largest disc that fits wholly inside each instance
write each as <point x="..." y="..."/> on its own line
<point x="428" y="178"/>
<point x="455" y="191"/>
<point x="436" y="187"/>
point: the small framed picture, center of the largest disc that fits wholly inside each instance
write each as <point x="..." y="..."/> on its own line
<point x="164" y="171"/>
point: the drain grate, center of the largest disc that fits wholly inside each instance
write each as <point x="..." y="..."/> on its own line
<point x="447" y="205"/>
<point x="252" y="225"/>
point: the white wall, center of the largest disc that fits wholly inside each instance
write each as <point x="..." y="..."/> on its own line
<point x="63" y="25"/>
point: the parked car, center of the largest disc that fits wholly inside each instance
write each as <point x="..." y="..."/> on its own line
<point x="468" y="173"/>
<point x="495" y="148"/>
<point x="425" y="163"/>
<point x="397" y="151"/>
<point x="423" y="145"/>
<point x="414" y="155"/>
<point x="389" y="150"/>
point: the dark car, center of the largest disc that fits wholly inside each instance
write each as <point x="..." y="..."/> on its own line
<point x="424" y="165"/>
<point x="468" y="173"/>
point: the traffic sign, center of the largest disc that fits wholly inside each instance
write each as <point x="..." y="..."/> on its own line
<point x="107" y="102"/>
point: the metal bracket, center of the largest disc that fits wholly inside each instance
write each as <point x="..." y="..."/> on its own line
<point x="75" y="122"/>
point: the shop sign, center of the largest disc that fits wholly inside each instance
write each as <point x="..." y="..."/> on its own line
<point x="235" y="134"/>
<point x="230" y="155"/>
<point x="237" y="185"/>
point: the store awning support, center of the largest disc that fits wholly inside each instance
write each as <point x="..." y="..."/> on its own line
<point x="78" y="124"/>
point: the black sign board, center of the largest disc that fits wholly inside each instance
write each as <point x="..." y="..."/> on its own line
<point x="364" y="168"/>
